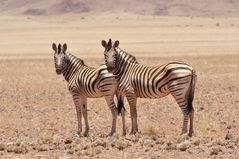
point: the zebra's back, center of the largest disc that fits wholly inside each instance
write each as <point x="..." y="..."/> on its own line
<point x="154" y="82"/>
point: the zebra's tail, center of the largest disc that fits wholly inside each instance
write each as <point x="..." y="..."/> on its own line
<point x="120" y="104"/>
<point x="191" y="90"/>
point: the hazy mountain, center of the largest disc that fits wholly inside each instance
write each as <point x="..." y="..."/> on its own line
<point x="211" y="8"/>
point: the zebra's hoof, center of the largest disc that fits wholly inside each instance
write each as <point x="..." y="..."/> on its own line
<point x="184" y="132"/>
<point x="133" y="132"/>
<point x="183" y="137"/>
<point x="86" y="134"/>
<point x="110" y="134"/>
<point x="190" y="134"/>
<point x="76" y="135"/>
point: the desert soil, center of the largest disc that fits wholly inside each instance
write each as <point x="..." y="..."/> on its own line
<point x="37" y="115"/>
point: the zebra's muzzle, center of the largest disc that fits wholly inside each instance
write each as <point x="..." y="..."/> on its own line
<point x="110" y="66"/>
<point x="58" y="71"/>
<point x="110" y="69"/>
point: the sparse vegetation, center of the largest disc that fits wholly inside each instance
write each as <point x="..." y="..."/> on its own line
<point x="37" y="115"/>
<point x="57" y="115"/>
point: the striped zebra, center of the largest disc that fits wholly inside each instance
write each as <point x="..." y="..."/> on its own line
<point x="139" y="81"/>
<point x="87" y="82"/>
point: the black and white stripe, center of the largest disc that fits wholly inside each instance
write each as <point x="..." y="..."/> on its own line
<point x="87" y="82"/>
<point x="140" y="81"/>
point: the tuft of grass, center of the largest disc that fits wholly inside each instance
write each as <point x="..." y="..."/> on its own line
<point x="151" y="132"/>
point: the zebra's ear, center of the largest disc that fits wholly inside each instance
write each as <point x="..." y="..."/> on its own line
<point x="64" y="47"/>
<point x="116" y="43"/>
<point x="103" y="43"/>
<point x="54" y="47"/>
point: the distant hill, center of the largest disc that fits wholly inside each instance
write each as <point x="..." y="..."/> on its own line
<point x="201" y="8"/>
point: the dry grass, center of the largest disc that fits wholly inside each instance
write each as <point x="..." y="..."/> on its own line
<point x="150" y="131"/>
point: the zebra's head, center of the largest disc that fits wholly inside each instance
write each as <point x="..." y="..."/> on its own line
<point x="60" y="57"/>
<point x="110" y="54"/>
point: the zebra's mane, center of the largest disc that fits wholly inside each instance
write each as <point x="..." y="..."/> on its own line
<point x="72" y="57"/>
<point x="132" y="57"/>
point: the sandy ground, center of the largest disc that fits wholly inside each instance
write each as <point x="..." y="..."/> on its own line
<point x="38" y="118"/>
<point x="139" y="34"/>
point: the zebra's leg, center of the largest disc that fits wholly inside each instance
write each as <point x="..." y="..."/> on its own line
<point x="191" y="116"/>
<point x="77" y="103"/>
<point x="184" y="107"/>
<point x="132" y="100"/>
<point x="123" y="121"/>
<point x="185" y="123"/>
<point x="111" y="104"/>
<point x="183" y="94"/>
<point x="182" y="102"/>
<point x="190" y="100"/>
<point x="85" y="115"/>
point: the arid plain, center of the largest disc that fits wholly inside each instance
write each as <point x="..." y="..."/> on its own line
<point x="37" y="115"/>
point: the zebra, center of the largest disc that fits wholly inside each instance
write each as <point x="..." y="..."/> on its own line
<point x="87" y="82"/>
<point x="139" y="81"/>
